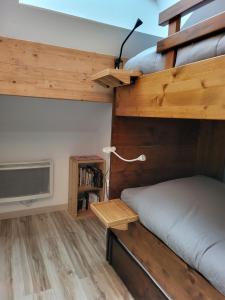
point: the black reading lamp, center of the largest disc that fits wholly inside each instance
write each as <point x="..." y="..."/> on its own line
<point x="118" y="59"/>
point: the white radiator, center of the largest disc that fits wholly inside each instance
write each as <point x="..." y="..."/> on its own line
<point x="26" y="181"/>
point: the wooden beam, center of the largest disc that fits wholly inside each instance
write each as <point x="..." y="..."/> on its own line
<point x="195" y="91"/>
<point x="182" y="7"/>
<point x="193" y="33"/>
<point x="38" y="70"/>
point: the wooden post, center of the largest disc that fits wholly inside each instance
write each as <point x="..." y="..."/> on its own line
<point x="174" y="26"/>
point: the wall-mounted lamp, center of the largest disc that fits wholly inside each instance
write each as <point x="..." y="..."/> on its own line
<point x="118" y="60"/>
<point x="112" y="149"/>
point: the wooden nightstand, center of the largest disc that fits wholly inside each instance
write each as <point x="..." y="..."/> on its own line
<point x="114" y="214"/>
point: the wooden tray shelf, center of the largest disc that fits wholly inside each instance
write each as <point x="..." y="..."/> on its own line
<point x="115" y="77"/>
<point x="114" y="214"/>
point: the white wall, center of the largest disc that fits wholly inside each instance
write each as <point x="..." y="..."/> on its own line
<point x="40" y="25"/>
<point x="117" y="13"/>
<point x="33" y="129"/>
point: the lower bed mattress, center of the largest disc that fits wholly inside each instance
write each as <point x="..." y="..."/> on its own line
<point x="188" y="215"/>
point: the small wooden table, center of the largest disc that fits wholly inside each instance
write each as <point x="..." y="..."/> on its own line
<point x="114" y="214"/>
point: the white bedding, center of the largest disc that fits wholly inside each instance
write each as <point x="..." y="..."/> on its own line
<point x="188" y="215"/>
<point x="149" y="61"/>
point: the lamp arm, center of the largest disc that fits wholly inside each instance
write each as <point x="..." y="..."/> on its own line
<point x="118" y="60"/>
<point x="121" y="48"/>
<point x="112" y="149"/>
<point x="141" y="158"/>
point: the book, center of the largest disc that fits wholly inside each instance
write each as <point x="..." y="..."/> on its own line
<point x="82" y="201"/>
<point x="90" y="176"/>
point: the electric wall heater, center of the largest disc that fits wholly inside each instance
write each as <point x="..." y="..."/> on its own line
<point x="26" y="181"/>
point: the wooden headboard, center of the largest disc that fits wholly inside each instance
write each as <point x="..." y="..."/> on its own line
<point x="170" y="146"/>
<point x="174" y="148"/>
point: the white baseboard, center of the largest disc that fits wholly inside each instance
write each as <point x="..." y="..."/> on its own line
<point x="32" y="211"/>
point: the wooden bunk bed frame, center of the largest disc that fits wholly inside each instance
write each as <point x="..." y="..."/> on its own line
<point x="149" y="117"/>
<point x="176" y="118"/>
<point x="193" y="91"/>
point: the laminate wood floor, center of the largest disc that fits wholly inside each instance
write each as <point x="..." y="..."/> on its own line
<point x="52" y="257"/>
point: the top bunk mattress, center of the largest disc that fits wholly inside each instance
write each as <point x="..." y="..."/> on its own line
<point x="149" y="61"/>
<point x="188" y="215"/>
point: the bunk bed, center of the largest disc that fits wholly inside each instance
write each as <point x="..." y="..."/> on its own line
<point x="159" y="94"/>
<point x="176" y="118"/>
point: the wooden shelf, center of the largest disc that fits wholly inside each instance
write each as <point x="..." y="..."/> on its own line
<point x="74" y="189"/>
<point x="86" y="188"/>
<point x="115" y="77"/>
<point x="114" y="214"/>
<point x="87" y="158"/>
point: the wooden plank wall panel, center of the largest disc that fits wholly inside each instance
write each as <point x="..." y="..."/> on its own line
<point x="211" y="149"/>
<point x="195" y="91"/>
<point x="170" y="147"/>
<point x="38" y="70"/>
